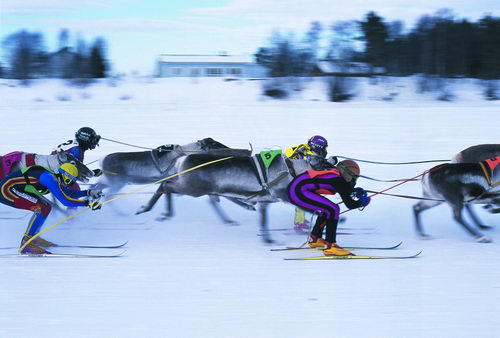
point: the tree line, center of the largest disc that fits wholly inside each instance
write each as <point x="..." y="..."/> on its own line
<point x="438" y="45"/>
<point x="26" y="57"/>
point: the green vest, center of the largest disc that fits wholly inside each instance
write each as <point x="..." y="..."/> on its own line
<point x="34" y="188"/>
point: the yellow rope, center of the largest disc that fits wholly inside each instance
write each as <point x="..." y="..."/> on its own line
<point x="113" y="199"/>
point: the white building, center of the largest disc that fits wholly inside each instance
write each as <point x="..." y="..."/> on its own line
<point x="175" y="65"/>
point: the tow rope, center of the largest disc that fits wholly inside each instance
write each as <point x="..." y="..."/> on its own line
<point x="118" y="197"/>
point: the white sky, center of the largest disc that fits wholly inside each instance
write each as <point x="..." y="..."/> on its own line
<point x="138" y="30"/>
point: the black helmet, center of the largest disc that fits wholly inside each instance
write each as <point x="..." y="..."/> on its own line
<point x="87" y="138"/>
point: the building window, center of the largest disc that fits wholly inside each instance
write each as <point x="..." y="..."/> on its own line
<point x="234" y="71"/>
<point x="176" y="71"/>
<point x="195" y="71"/>
<point x="214" y="71"/>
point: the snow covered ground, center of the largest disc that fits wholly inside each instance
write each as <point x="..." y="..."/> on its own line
<point x="195" y="277"/>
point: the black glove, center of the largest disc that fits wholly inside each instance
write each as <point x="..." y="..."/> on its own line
<point x="93" y="204"/>
<point x="333" y="160"/>
<point x="94" y="193"/>
<point x="97" y="172"/>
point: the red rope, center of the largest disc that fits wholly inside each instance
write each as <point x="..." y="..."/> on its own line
<point x="396" y="185"/>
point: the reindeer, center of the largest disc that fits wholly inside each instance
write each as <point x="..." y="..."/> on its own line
<point x="238" y="178"/>
<point x="459" y="184"/>
<point x="146" y="167"/>
<point x="476" y="154"/>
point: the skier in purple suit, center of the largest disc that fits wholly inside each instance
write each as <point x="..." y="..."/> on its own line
<point x="306" y="191"/>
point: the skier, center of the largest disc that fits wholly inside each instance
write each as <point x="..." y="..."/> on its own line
<point x="85" y="138"/>
<point x="306" y="190"/>
<point x="315" y="152"/>
<point x="316" y="146"/>
<point x="24" y="189"/>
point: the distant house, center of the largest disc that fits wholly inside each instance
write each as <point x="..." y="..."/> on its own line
<point x="345" y="68"/>
<point x="61" y="64"/>
<point x="174" y="65"/>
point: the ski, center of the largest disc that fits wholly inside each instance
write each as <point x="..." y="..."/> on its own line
<point x="306" y="233"/>
<point x="347" y="248"/>
<point x="338" y="233"/>
<point x="339" y="228"/>
<point x="317" y="258"/>
<point x="62" y="255"/>
<point x="93" y="246"/>
<point x="79" y="246"/>
<point x="14" y="217"/>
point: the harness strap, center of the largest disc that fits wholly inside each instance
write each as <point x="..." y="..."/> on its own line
<point x="30" y="160"/>
<point x="2" y="174"/>
<point x="486" y="172"/>
<point x="290" y="167"/>
<point x="156" y="162"/>
<point x="260" y="170"/>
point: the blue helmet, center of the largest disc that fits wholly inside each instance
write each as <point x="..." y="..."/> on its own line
<point x="318" y="144"/>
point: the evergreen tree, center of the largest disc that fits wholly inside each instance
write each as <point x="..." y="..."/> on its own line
<point x="375" y="36"/>
<point x="97" y="61"/>
<point x="63" y="38"/>
<point x="489" y="28"/>
<point x="81" y="60"/>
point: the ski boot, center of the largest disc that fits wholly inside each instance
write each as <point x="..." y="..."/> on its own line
<point x="317" y="242"/>
<point x="335" y="250"/>
<point x="302" y="227"/>
<point x="31" y="248"/>
<point x="43" y="242"/>
<point x="300" y="224"/>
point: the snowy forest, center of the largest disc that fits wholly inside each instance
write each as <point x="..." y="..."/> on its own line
<point x="27" y="57"/>
<point x="439" y="45"/>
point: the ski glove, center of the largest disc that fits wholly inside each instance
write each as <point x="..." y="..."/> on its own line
<point x="94" y="193"/>
<point x="97" y="172"/>
<point x="333" y="160"/>
<point x="93" y="204"/>
<point x="362" y="195"/>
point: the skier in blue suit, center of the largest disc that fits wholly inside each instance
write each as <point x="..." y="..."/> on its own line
<point x="24" y="189"/>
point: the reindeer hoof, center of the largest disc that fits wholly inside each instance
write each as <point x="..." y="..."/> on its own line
<point x="230" y="222"/>
<point x="483" y="239"/>
<point x="141" y="210"/>
<point x="485" y="227"/>
<point x="163" y="217"/>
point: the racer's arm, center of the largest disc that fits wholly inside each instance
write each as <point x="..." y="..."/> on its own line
<point x="77" y="152"/>
<point x="296" y="151"/>
<point x="65" y="196"/>
<point x="346" y="193"/>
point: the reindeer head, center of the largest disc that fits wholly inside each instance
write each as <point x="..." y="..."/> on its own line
<point x="84" y="173"/>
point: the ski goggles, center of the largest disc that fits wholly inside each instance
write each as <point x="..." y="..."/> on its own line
<point x="67" y="178"/>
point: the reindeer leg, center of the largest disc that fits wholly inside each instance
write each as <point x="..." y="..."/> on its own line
<point x="417" y="209"/>
<point x="475" y="219"/>
<point x="266" y="237"/>
<point x="149" y="205"/>
<point x="214" y="202"/>
<point x="457" y="215"/>
<point x="169" y="207"/>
